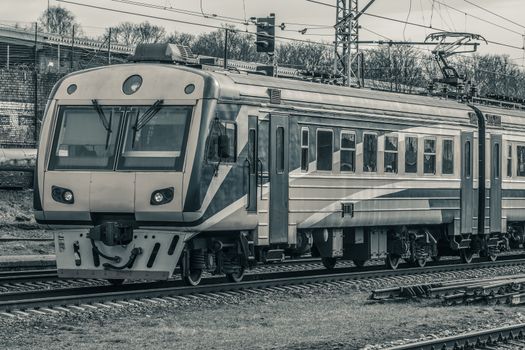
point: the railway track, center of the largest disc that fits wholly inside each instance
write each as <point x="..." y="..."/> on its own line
<point x="22" y="280"/>
<point x="506" y="337"/>
<point x="283" y="281"/>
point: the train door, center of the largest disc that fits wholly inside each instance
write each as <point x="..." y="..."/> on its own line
<point x="251" y="165"/>
<point x="278" y="173"/>
<point x="495" y="184"/>
<point x="467" y="192"/>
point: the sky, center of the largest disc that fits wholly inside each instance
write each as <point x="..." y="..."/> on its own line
<point x="317" y="18"/>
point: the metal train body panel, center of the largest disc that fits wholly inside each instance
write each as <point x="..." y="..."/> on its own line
<point x="249" y="178"/>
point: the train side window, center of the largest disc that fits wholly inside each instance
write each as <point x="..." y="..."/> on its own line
<point x="509" y="161"/>
<point x="279" y="139"/>
<point x="520" y="151"/>
<point x="496" y="161"/>
<point x="429" y="156"/>
<point x="468" y="162"/>
<point x="305" y="142"/>
<point x="325" y="149"/>
<point x="252" y="153"/>
<point x="369" y="153"/>
<point x="411" y="154"/>
<point x="447" y="164"/>
<point x="391" y="154"/>
<point x="222" y="142"/>
<point x="347" y="151"/>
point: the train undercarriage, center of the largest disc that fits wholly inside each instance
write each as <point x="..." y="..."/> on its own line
<point x="220" y="254"/>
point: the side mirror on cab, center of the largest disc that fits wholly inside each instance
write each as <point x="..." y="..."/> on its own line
<point x="224" y="145"/>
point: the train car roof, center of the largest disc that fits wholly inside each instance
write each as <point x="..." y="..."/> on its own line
<point x="233" y="85"/>
<point x="322" y="98"/>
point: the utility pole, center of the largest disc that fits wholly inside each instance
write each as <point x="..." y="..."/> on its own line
<point x="347" y="41"/>
<point x="225" y="60"/>
<point x="109" y="46"/>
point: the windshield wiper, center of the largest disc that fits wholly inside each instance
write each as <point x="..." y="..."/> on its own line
<point x="148" y="115"/>
<point x="102" y="116"/>
<point x="145" y="118"/>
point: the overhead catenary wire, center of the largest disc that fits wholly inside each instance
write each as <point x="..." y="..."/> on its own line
<point x="495" y="14"/>
<point x="204" y="25"/>
<point x="420" y="25"/>
<point x="478" y="18"/>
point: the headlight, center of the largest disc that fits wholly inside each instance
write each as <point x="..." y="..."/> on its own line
<point x="62" y="195"/>
<point x="158" y="197"/>
<point x="162" y="196"/>
<point x="68" y="196"/>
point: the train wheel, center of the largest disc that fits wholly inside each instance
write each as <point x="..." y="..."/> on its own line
<point x="116" y="281"/>
<point x="237" y="276"/>
<point x="419" y="262"/>
<point x="466" y="255"/>
<point x="194" y="277"/>
<point x="359" y="263"/>
<point x="392" y="261"/>
<point x="490" y="256"/>
<point x="329" y="263"/>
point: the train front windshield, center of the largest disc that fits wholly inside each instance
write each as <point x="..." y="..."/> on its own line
<point x="120" y="137"/>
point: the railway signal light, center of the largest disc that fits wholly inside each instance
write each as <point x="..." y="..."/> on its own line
<point x="266" y="34"/>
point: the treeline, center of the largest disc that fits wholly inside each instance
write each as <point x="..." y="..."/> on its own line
<point x="398" y="68"/>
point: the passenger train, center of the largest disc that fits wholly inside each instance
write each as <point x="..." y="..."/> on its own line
<point x="150" y="167"/>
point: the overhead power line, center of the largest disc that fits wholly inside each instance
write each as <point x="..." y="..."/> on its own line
<point x="436" y="28"/>
<point x="422" y="25"/>
<point x="494" y="13"/>
<point x="186" y="22"/>
<point x="478" y="18"/>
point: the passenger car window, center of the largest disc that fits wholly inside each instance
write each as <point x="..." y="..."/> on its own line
<point x="429" y="156"/>
<point x="391" y="154"/>
<point x="369" y="153"/>
<point x="496" y="161"/>
<point x="305" y="142"/>
<point x="324" y="149"/>
<point x="509" y="161"/>
<point x="347" y="151"/>
<point x="468" y="162"/>
<point x="410" y="154"/>
<point x="447" y="165"/>
<point x="520" y="151"/>
<point x="279" y="139"/>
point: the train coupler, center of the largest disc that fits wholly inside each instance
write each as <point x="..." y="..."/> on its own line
<point x="112" y="233"/>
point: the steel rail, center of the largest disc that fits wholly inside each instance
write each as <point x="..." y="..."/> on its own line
<point x="82" y="295"/>
<point x="471" y="340"/>
<point x="27" y="275"/>
<point x="35" y="275"/>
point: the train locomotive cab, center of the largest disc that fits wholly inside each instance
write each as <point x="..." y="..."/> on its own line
<point x="119" y="170"/>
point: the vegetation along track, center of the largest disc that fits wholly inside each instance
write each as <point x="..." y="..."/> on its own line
<point x="281" y="281"/>
<point x="506" y="337"/>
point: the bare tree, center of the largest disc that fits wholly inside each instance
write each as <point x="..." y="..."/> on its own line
<point x="311" y="57"/>
<point x="58" y="20"/>
<point x="181" y="38"/>
<point x="131" y="34"/>
<point x="400" y="68"/>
